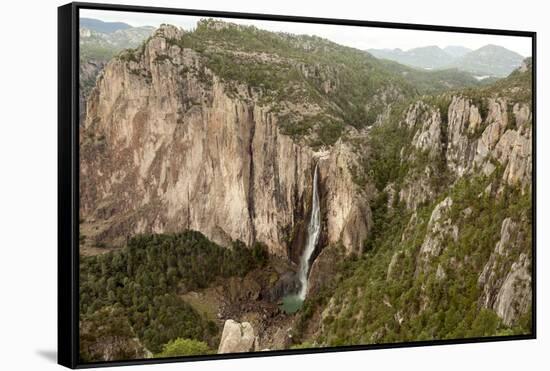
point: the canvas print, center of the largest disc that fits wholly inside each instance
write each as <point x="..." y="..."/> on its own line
<point x="251" y="185"/>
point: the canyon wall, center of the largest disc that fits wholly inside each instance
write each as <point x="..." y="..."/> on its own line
<point x="165" y="147"/>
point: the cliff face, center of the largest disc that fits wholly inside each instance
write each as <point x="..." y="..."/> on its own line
<point x="166" y="146"/>
<point x="476" y="139"/>
<point x="467" y="144"/>
<point x="452" y="226"/>
<point x="506" y="282"/>
<point x="505" y="137"/>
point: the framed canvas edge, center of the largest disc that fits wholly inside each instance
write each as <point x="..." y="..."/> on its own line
<point x="67" y="190"/>
<point x="68" y="181"/>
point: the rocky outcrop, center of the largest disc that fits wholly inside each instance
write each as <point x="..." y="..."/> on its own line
<point x="464" y="121"/>
<point x="514" y="297"/>
<point x="417" y="188"/>
<point x="166" y="146"/>
<point x="440" y="227"/>
<point x="424" y="121"/>
<point x="469" y="142"/>
<point x="237" y="338"/>
<point x="507" y="287"/>
<point x="514" y="150"/>
<point x="348" y="216"/>
<point x="427" y="122"/>
<point x="505" y="137"/>
<point x="323" y="269"/>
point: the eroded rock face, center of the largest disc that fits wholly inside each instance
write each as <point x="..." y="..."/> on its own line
<point x="439" y="228"/>
<point x="459" y="150"/>
<point x="504" y="139"/>
<point x="348" y="216"/>
<point x="166" y="148"/>
<point x="426" y="124"/>
<point x="514" y="297"/>
<point x="507" y="288"/>
<point x="88" y="71"/>
<point x="323" y="269"/>
<point x="468" y="144"/>
<point x="417" y="188"/>
<point x="114" y="348"/>
<point x="514" y="150"/>
<point x="428" y="135"/>
<point x="237" y="338"/>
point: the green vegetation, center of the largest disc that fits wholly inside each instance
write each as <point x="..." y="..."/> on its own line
<point x="516" y="87"/>
<point x="434" y="82"/>
<point x="373" y="303"/>
<point x="100" y="46"/>
<point x="369" y="305"/>
<point x="305" y="345"/>
<point x="184" y="347"/>
<point x="96" y="52"/>
<point x="143" y="279"/>
<point x="129" y="55"/>
<point x="386" y="142"/>
<point x="327" y="129"/>
<point x="110" y="326"/>
<point x="282" y="68"/>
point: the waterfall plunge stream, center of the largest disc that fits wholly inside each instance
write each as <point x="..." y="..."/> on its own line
<point x="313" y="230"/>
<point x="292" y="303"/>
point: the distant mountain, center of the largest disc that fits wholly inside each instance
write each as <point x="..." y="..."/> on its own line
<point x="104" y="45"/>
<point x="104" y="27"/>
<point x="434" y="81"/>
<point x="492" y="60"/>
<point x="489" y="60"/>
<point x="428" y="57"/>
<point x="99" y="42"/>
<point x="456" y="51"/>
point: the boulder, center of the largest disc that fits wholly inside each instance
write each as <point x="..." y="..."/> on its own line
<point x="237" y="337"/>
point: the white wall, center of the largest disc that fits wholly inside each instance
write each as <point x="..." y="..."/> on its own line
<point x="28" y="183"/>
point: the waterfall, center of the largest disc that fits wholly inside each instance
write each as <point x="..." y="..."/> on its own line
<point x="313" y="230"/>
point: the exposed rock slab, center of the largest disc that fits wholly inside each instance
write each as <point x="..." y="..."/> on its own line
<point x="440" y="227"/>
<point x="507" y="289"/>
<point x="237" y="338"/>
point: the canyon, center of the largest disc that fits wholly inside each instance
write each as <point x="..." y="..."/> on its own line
<point x="368" y="209"/>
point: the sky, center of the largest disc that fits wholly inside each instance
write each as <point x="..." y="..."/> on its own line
<point x="354" y="36"/>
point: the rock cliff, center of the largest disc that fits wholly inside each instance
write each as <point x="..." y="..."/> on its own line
<point x="506" y="277"/>
<point x="467" y="143"/>
<point x="476" y="136"/>
<point x="449" y="253"/>
<point x="168" y="145"/>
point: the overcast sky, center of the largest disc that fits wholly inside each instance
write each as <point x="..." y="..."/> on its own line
<point x="357" y="37"/>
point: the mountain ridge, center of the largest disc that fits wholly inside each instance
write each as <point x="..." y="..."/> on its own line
<point x="102" y="26"/>
<point x="490" y="60"/>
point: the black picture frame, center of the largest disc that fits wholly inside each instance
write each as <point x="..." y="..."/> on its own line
<point x="68" y="179"/>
